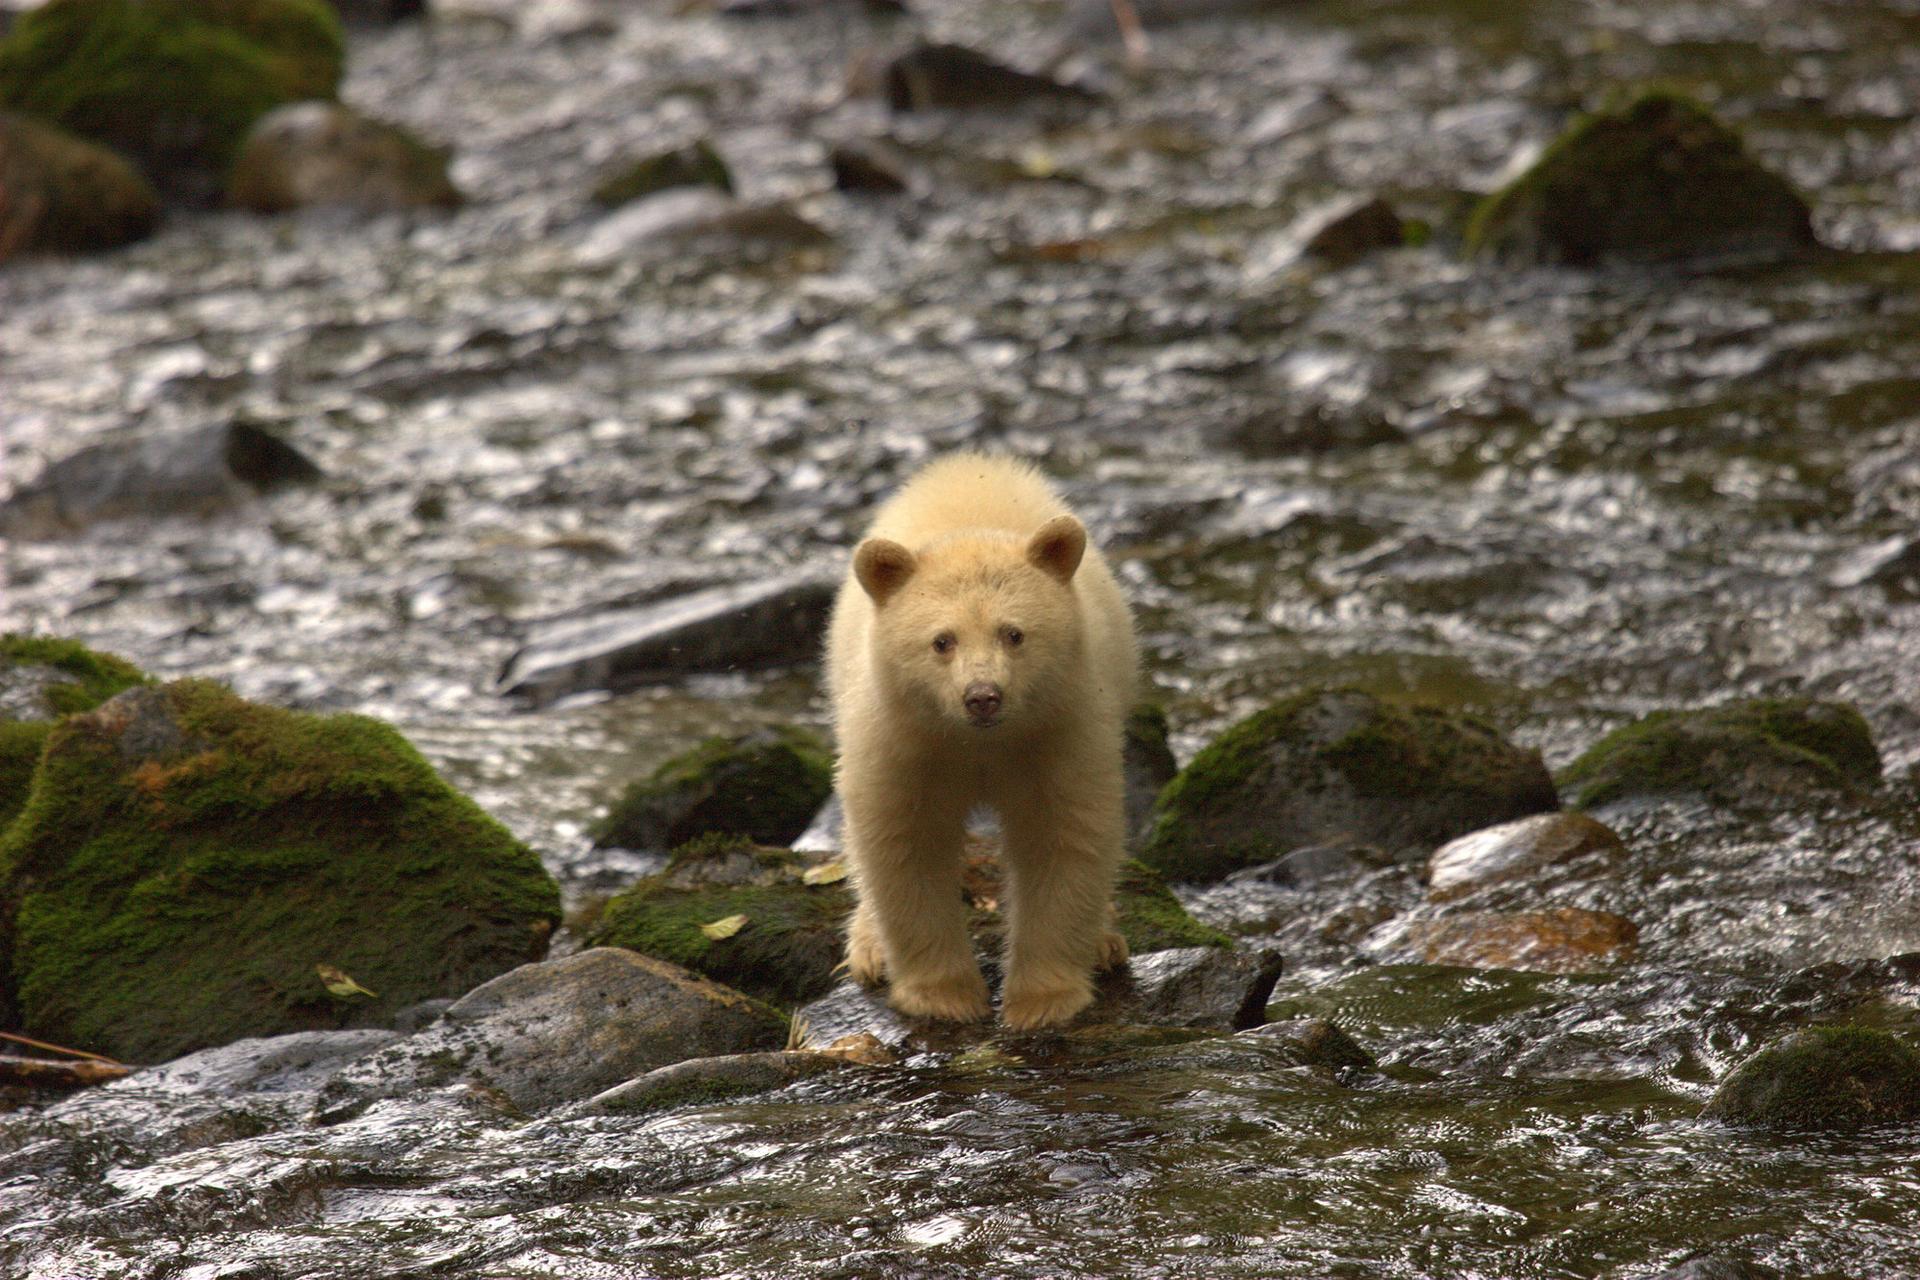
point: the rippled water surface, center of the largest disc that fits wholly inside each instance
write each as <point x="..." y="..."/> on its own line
<point x="1558" y="499"/>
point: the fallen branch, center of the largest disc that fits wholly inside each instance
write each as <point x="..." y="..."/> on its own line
<point x="59" y="1048"/>
<point x="43" y="1073"/>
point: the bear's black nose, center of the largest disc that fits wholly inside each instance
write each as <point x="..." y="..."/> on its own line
<point x="983" y="702"/>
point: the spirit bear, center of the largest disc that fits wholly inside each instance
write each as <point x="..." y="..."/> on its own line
<point x="981" y="653"/>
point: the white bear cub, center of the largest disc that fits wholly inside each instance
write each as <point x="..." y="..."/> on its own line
<point x="981" y="653"/>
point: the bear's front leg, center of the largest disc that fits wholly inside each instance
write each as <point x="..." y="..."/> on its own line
<point x="911" y="921"/>
<point x="1064" y="843"/>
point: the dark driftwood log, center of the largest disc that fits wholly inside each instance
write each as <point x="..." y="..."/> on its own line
<point x="43" y="1073"/>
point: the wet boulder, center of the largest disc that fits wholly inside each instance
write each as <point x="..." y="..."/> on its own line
<point x="323" y="153"/>
<point x="1340" y="766"/>
<point x="954" y="77"/>
<point x="1351" y="233"/>
<point x="176" y="473"/>
<point x="173" y="85"/>
<point x="191" y="868"/>
<point x="1657" y="181"/>
<point x="742" y="626"/>
<point x="561" y="1031"/>
<point x="696" y="164"/>
<point x="62" y="194"/>
<point x="704" y="222"/>
<point x="861" y="170"/>
<point x="765" y="786"/>
<point x="709" y="1081"/>
<point x="1823" y="1079"/>
<point x="1765" y="752"/>
<point x="1315" y="1042"/>
<point x="1524" y="850"/>
<point x="1563" y="940"/>
<point x="42" y="679"/>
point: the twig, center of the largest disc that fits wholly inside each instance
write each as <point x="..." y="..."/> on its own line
<point x="43" y="1073"/>
<point x="56" y="1048"/>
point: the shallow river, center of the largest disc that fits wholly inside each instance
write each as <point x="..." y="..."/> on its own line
<point x="1557" y="499"/>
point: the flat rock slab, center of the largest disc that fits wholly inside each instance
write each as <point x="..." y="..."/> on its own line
<point x="744" y="626"/>
<point x="1566" y="940"/>
<point x="562" y="1030"/>
<point x="707" y="1080"/>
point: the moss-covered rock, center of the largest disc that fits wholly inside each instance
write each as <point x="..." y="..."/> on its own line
<point x="696" y="164"/>
<point x="1824" y="1078"/>
<point x="1149" y="764"/>
<point x="766" y="786"/>
<point x="323" y="153"/>
<point x="1340" y="765"/>
<point x="1764" y="751"/>
<point x="67" y="195"/>
<point x="186" y="860"/>
<point x="41" y="679"/>
<point x="173" y="85"/>
<point x="1659" y="180"/>
<point x="791" y="938"/>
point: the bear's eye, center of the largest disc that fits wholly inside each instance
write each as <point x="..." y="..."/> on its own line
<point x="943" y="643"/>
<point x="1013" y="637"/>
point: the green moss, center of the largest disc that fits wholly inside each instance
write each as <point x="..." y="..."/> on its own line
<point x="1150" y="918"/>
<point x="185" y="859"/>
<point x="96" y="676"/>
<point x="172" y="84"/>
<point x="69" y="195"/>
<point x="1657" y="180"/>
<point x="1760" y="749"/>
<point x="765" y="786"/>
<point x="20" y="746"/>
<point x="786" y="951"/>
<point x="695" y="165"/>
<point x="1824" y="1078"/>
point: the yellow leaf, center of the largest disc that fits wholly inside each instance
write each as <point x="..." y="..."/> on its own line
<point x="338" y="983"/>
<point x="725" y="927"/>
<point x="1038" y="162"/>
<point x="826" y="872"/>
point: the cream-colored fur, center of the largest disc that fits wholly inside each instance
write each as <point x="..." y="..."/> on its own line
<point x="980" y="555"/>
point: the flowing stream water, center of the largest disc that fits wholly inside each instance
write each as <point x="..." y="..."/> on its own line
<point x="1557" y="499"/>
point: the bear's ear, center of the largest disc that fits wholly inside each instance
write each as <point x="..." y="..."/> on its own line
<point x="1056" y="547"/>
<point x="883" y="567"/>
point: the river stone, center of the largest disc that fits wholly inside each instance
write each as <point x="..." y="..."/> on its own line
<point x="1519" y="850"/>
<point x="1892" y="564"/>
<point x="63" y="194"/>
<point x="173" y="85"/>
<point x="1659" y="180"/>
<point x="699" y="220"/>
<point x="177" y="473"/>
<point x="765" y="786"/>
<point x="1149" y="766"/>
<point x="1340" y="766"/>
<point x="1313" y="865"/>
<point x="1766" y="752"/>
<point x="1826" y="1079"/>
<point x="323" y="153"/>
<point x="562" y="1031"/>
<point x="864" y="171"/>
<point x="740" y="627"/>
<point x="707" y="1081"/>
<point x="951" y="76"/>
<point x="1351" y="233"/>
<point x="696" y="164"/>
<point x="186" y="859"/>
<point x="1315" y="1042"/>
<point x="1564" y="940"/>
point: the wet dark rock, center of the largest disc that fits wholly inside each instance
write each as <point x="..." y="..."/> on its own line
<point x="1762" y="751"/>
<point x="1659" y="180"/>
<point x="1336" y="766"/>
<point x="784" y="951"/>
<point x="173" y="85"/>
<point x="765" y="786"/>
<point x="1519" y="850"/>
<point x="1350" y="234"/>
<point x="864" y="171"/>
<point x="1824" y="1079"/>
<point x="1315" y="1042"/>
<point x="188" y="858"/>
<point x="951" y="76"/>
<point x="708" y="1081"/>
<point x="377" y="13"/>
<point x="562" y="1031"/>
<point x="1563" y="940"/>
<point x="62" y="194"/>
<point x="745" y="626"/>
<point x="1149" y="765"/>
<point x="700" y="220"/>
<point x="1313" y="865"/>
<point x="301" y="1060"/>
<point x="42" y="679"/>
<point x="1288" y="429"/>
<point x="192" y="472"/>
<point x="799" y="8"/>
<point x="1893" y="565"/>
<point x="696" y="164"/>
<point x="323" y="153"/>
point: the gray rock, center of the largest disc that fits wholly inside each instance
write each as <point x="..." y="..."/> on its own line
<point x="707" y="1080"/>
<point x="699" y="220"/>
<point x="1312" y="865"/>
<point x="696" y="164"/>
<point x="1892" y="564"/>
<point x="561" y="1030"/>
<point x="302" y="1060"/>
<point x="1349" y="234"/>
<point x="746" y="626"/>
<point x="325" y="153"/>
<point x="192" y="472"/>
<point x="864" y="171"/>
<point x="1524" y="849"/>
<point x="951" y="76"/>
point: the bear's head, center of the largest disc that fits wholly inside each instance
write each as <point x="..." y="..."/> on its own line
<point x="979" y="629"/>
